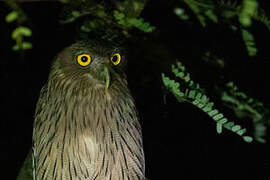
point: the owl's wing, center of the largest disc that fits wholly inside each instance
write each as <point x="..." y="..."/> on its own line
<point x="26" y="172"/>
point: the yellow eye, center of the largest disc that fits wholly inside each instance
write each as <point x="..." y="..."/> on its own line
<point x="116" y="59"/>
<point x="84" y="59"/>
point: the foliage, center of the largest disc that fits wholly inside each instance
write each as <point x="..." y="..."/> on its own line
<point x="95" y="18"/>
<point x="123" y="16"/>
<point x="226" y="13"/>
<point x="19" y="33"/>
<point x="249" y="42"/>
<point x="203" y="11"/>
<point x="213" y="10"/>
<point x="217" y="11"/>
<point x="195" y="95"/>
<point x="245" y="106"/>
<point x="180" y="12"/>
<point x="128" y="22"/>
<point x="12" y="16"/>
<point x="249" y="8"/>
<point x="109" y="20"/>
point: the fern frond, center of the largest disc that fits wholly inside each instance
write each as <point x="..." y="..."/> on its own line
<point x="195" y="95"/>
<point x="203" y="10"/>
<point x="249" y="42"/>
<point x="263" y="18"/>
<point x="248" y="10"/>
<point x="219" y="10"/>
<point x="244" y="106"/>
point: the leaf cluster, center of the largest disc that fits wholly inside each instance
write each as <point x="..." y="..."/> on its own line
<point x="220" y="11"/>
<point x="128" y="22"/>
<point x="245" y="106"/>
<point x="19" y="33"/>
<point x="119" y="16"/>
<point x="196" y="96"/>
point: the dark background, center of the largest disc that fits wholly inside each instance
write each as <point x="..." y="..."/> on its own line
<point x="180" y="141"/>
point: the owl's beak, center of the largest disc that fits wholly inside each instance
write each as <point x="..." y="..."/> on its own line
<point x="107" y="77"/>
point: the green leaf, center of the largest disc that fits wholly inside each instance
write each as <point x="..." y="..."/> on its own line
<point x="219" y="128"/>
<point x="212" y="113"/>
<point x="191" y="83"/>
<point x="128" y="22"/>
<point x="236" y="128"/>
<point x="181" y="13"/>
<point x="26" y="45"/>
<point x="218" y="116"/>
<point x="220" y="124"/>
<point x="23" y="46"/>
<point x="181" y="67"/>
<point x="249" y="8"/>
<point x="75" y="13"/>
<point x="118" y="15"/>
<point x="248" y="139"/>
<point x="179" y="94"/>
<point x="202" y="20"/>
<point x="223" y="121"/>
<point x="179" y="64"/>
<point x="198" y="96"/>
<point x="187" y="78"/>
<point x="175" y="71"/>
<point x="229" y="125"/>
<point x="134" y="22"/>
<point x="204" y="99"/>
<point x="191" y="94"/>
<point x="180" y="75"/>
<point x="16" y="47"/>
<point x="208" y="107"/>
<point x="165" y="79"/>
<point x="175" y="86"/>
<point x="241" y="132"/>
<point x="261" y="140"/>
<point x="197" y="86"/>
<point x="12" y="16"/>
<point x="21" y="31"/>
<point x="209" y="13"/>
<point x="249" y="42"/>
<point x="200" y="105"/>
<point x="195" y="102"/>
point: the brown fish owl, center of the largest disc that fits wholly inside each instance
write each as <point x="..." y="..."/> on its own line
<point x="86" y="124"/>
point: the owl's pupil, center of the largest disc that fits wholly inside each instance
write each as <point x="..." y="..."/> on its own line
<point x="84" y="59"/>
<point x="114" y="59"/>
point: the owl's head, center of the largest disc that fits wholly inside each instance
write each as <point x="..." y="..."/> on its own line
<point x="93" y="64"/>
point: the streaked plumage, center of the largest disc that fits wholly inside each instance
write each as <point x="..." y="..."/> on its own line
<point x="84" y="130"/>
